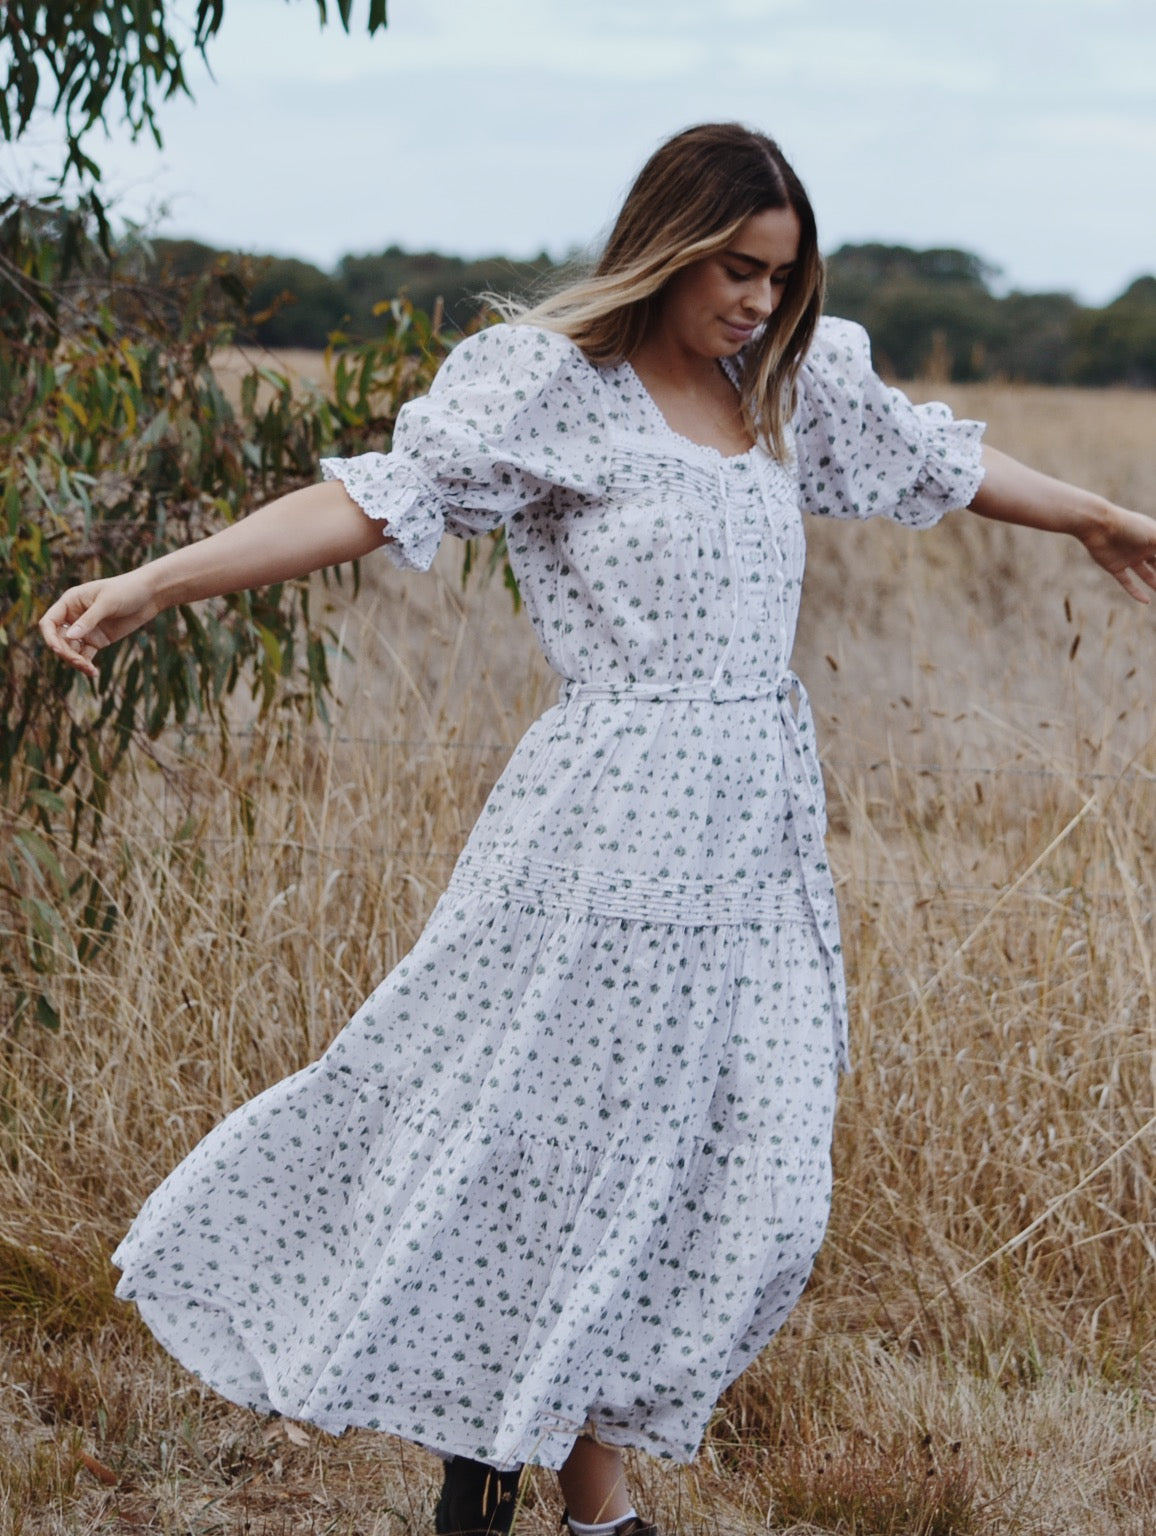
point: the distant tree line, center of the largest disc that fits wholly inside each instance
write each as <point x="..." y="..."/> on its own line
<point x="929" y="313"/>
<point x="295" y="304"/>
<point x="933" y="313"/>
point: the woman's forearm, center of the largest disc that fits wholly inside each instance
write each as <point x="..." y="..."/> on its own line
<point x="302" y="532"/>
<point x="1013" y="493"/>
<point x="1123" y="542"/>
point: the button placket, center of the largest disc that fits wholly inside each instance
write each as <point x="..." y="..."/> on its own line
<point x="756" y="561"/>
<point x="723" y="679"/>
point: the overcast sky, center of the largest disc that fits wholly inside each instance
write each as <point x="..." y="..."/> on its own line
<point x="1022" y="129"/>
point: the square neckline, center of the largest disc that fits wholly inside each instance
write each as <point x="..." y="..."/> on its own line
<point x="660" y="420"/>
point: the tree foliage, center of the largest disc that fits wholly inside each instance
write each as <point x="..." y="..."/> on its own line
<point x="933" y="313"/>
<point x="116" y="444"/>
<point x="296" y="304"/>
<point x="100" y="58"/>
<point x="1118" y="343"/>
<point x="929" y="313"/>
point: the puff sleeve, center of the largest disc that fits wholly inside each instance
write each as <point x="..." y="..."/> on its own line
<point x="513" y="413"/>
<point x="864" y="450"/>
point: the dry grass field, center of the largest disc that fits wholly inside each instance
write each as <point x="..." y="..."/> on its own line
<point x="976" y="1354"/>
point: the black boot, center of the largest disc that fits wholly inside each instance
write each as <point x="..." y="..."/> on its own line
<point x="476" y="1499"/>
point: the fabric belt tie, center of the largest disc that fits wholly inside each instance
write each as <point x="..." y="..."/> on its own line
<point x="804" y="786"/>
<point x="803" y="773"/>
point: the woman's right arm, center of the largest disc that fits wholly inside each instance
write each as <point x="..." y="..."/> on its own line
<point x="305" y="531"/>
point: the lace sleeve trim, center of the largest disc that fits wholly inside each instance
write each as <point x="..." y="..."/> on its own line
<point x="952" y="469"/>
<point x="400" y="496"/>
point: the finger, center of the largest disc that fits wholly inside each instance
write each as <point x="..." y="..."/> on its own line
<point x="88" y="627"/>
<point x="1142" y="566"/>
<point x="56" y="626"/>
<point x="50" y="630"/>
<point x="77" y="660"/>
<point x="78" y="656"/>
<point x="80" y="628"/>
<point x="66" y="610"/>
<point x="1132" y="584"/>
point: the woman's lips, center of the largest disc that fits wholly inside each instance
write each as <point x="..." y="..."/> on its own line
<point x="740" y="331"/>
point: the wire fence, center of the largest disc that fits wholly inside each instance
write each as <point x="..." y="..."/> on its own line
<point x="966" y="894"/>
<point x="417" y="744"/>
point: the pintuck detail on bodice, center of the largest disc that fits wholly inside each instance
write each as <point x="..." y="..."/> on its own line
<point x="640" y="553"/>
<point x="663" y="580"/>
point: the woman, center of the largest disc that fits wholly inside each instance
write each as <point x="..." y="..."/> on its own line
<point x="566" y="1171"/>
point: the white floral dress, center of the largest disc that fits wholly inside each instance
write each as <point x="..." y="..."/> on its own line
<point x="570" y="1162"/>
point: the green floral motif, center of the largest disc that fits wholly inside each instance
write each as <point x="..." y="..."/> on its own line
<point x="571" y="1160"/>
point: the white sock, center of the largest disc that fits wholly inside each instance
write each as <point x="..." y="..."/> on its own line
<point x="606" y="1529"/>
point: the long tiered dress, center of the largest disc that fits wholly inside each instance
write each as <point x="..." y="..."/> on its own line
<point x="570" y="1162"/>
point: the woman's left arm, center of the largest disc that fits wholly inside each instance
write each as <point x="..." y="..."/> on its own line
<point x="1123" y="542"/>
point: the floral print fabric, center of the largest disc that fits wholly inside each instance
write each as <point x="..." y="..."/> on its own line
<point x="570" y="1162"/>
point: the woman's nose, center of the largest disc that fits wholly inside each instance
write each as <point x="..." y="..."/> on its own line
<point x="760" y="299"/>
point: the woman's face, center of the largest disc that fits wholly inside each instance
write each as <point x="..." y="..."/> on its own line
<point x="713" y="307"/>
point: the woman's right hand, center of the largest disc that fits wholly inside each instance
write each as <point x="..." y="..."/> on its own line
<point x="89" y="617"/>
<point x="304" y="531"/>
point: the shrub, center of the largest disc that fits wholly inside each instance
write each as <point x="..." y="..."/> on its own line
<point x="117" y="444"/>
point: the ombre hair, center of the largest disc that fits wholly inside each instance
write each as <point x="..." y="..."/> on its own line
<point x="688" y="202"/>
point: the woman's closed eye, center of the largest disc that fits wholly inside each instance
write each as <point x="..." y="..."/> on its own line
<point x="778" y="280"/>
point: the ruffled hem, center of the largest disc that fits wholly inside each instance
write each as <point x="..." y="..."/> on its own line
<point x="358" y="1335"/>
<point x="204" y="1338"/>
<point x="398" y="495"/>
<point x="863" y="449"/>
<point x="558" y="1167"/>
<point x="952" y="472"/>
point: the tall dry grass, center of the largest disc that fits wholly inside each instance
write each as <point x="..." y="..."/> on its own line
<point x="976" y="1351"/>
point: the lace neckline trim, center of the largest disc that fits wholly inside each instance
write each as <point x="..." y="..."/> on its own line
<point x="715" y="455"/>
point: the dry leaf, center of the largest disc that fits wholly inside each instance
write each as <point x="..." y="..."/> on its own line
<point x="98" y="1469"/>
<point x="287" y="1429"/>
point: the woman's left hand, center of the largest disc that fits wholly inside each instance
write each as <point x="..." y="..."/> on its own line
<point x="1124" y="543"/>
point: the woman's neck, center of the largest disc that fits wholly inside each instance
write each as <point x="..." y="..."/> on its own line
<point x="664" y="360"/>
<point x="697" y="398"/>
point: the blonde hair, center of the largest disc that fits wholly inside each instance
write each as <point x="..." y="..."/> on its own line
<point x="688" y="202"/>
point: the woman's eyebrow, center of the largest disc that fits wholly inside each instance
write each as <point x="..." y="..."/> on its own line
<point x="761" y="266"/>
<point x="758" y="264"/>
